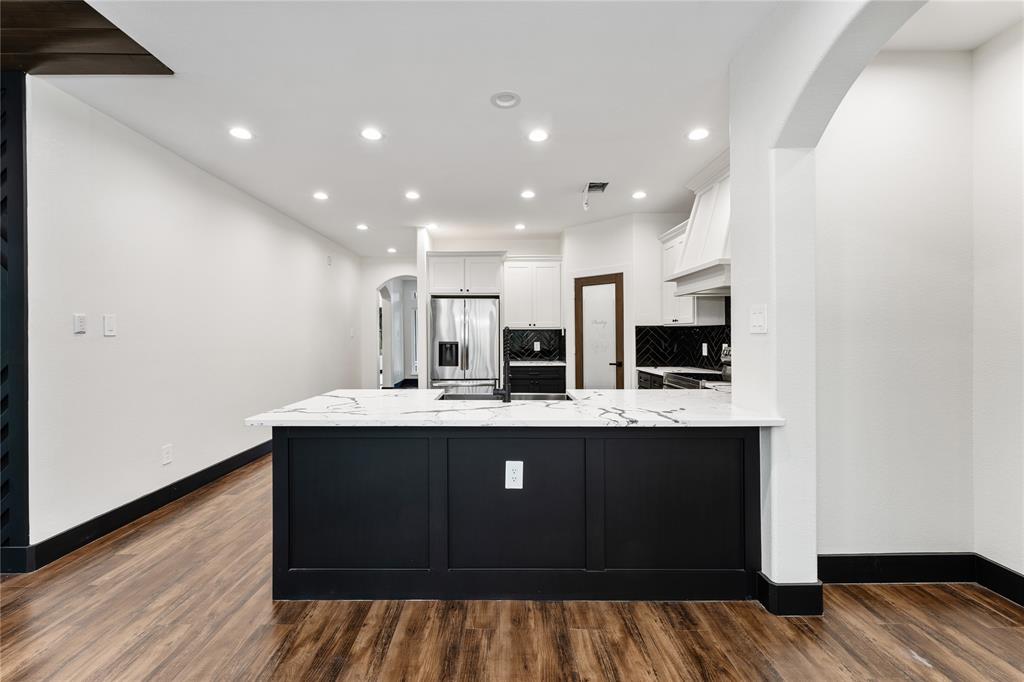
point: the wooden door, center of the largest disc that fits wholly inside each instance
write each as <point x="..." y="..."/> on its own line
<point x="599" y="332"/>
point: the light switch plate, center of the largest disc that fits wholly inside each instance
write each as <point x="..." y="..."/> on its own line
<point x="759" y="318"/>
<point x="513" y="475"/>
<point x="109" y="324"/>
<point x="167" y="454"/>
<point x="78" y="323"/>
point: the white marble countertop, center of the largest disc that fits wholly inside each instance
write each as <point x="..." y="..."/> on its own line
<point x="537" y="363"/>
<point x="420" y="407"/>
<point x="660" y="371"/>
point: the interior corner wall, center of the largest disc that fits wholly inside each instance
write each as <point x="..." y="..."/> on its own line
<point x="225" y="308"/>
<point x="998" y="354"/>
<point x="894" y="283"/>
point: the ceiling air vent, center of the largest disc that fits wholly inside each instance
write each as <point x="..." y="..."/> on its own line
<point x="592" y="187"/>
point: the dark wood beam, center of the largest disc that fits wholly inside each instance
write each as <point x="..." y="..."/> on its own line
<point x="68" y="37"/>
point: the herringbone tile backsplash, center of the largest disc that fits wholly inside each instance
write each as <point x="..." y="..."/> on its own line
<point x="552" y="344"/>
<point x="680" y="346"/>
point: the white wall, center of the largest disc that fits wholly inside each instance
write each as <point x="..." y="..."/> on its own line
<point x="373" y="273"/>
<point x="225" y="308"/>
<point x="999" y="301"/>
<point x="894" y="310"/>
<point x="513" y="247"/>
<point x="624" y="244"/>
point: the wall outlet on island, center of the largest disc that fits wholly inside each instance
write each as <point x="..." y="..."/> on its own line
<point x="166" y="454"/>
<point x="513" y="475"/>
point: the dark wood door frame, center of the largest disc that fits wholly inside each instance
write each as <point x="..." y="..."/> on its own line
<point x="616" y="279"/>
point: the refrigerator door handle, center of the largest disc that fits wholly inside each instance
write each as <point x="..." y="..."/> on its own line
<point x="464" y="360"/>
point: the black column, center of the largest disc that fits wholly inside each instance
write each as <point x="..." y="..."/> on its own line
<point x="14" y="330"/>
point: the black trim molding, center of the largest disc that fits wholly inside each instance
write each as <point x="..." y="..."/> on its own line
<point x="925" y="567"/>
<point x="23" y="559"/>
<point x="790" y="599"/>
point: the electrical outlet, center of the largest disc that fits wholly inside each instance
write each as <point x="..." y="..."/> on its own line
<point x="704" y="349"/>
<point x="167" y="454"/>
<point x="536" y="346"/>
<point x="513" y="475"/>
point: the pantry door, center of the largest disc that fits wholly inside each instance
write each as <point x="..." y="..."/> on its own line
<point x="599" y="328"/>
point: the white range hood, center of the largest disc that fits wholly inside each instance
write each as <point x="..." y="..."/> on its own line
<point x="704" y="265"/>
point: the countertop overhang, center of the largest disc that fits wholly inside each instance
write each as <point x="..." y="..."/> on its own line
<point x="588" y="408"/>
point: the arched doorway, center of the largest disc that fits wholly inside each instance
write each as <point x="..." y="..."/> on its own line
<point x="397" y="329"/>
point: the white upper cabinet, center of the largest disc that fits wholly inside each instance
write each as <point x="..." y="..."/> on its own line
<point x="533" y="294"/>
<point x="483" y="275"/>
<point x="464" y="274"/>
<point x="519" y="294"/>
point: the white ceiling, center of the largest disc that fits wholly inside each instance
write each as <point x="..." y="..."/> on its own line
<point x="956" y="24"/>
<point x="618" y="84"/>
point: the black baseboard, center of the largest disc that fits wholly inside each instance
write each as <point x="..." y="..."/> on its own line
<point x="925" y="567"/>
<point x="32" y="557"/>
<point x="789" y="599"/>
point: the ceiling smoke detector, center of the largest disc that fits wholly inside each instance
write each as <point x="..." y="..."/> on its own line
<point x="596" y="188"/>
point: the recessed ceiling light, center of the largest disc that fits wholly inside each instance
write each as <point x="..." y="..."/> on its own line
<point x="527" y="194"/>
<point x="431" y="226"/>
<point x="371" y="134"/>
<point x="320" y="196"/>
<point x="505" y="100"/>
<point x="698" y="134"/>
<point x="392" y="249"/>
<point x="520" y="226"/>
<point x="412" y="195"/>
<point x="538" y="135"/>
<point x="362" y="227"/>
<point x="639" y="194"/>
<point x="241" y="133"/>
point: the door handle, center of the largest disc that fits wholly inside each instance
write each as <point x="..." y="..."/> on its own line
<point x="615" y="364"/>
<point x="464" y="360"/>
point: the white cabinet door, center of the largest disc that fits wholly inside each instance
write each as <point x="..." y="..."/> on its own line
<point x="445" y="274"/>
<point x="483" y="275"/>
<point x="518" y="294"/>
<point x="547" y="294"/>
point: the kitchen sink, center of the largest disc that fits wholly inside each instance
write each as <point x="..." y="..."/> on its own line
<point x="497" y="398"/>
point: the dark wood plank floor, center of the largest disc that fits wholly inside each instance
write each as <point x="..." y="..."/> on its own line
<point x="185" y="594"/>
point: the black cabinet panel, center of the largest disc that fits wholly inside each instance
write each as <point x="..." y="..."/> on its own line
<point x="537" y="379"/>
<point x="674" y="503"/>
<point x="358" y="503"/>
<point x="541" y="526"/>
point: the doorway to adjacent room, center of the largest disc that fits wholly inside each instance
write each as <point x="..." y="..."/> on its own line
<point x="599" y="329"/>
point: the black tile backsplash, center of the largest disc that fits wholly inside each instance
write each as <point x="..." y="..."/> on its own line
<point x="680" y="346"/>
<point x="552" y="344"/>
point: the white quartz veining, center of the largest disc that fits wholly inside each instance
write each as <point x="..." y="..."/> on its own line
<point x="537" y="363"/>
<point x="415" y="407"/>
<point x="660" y="371"/>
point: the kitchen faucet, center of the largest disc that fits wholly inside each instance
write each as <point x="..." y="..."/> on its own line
<point x="506" y="388"/>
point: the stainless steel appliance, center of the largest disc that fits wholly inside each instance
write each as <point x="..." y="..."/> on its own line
<point x="464" y="341"/>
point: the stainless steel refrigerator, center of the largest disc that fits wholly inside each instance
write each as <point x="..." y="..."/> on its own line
<point x="464" y="344"/>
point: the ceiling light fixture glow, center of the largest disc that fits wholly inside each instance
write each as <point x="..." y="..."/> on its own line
<point x="520" y="226"/>
<point x="362" y="227"/>
<point x="527" y="194"/>
<point x="639" y="194"/>
<point x="241" y="133"/>
<point x="412" y="195"/>
<point x="371" y="134"/>
<point x="538" y="135"/>
<point x="506" y="99"/>
<point x="698" y="134"/>
<point x="392" y="249"/>
<point x="320" y="195"/>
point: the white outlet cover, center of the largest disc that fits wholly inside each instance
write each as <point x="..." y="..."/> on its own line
<point x="536" y="346"/>
<point x="513" y="475"/>
<point x="759" y="318"/>
<point x="167" y="454"/>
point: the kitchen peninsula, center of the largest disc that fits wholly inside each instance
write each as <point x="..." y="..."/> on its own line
<point x="608" y="495"/>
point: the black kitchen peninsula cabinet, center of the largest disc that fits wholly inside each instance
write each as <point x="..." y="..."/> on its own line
<point x="604" y="513"/>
